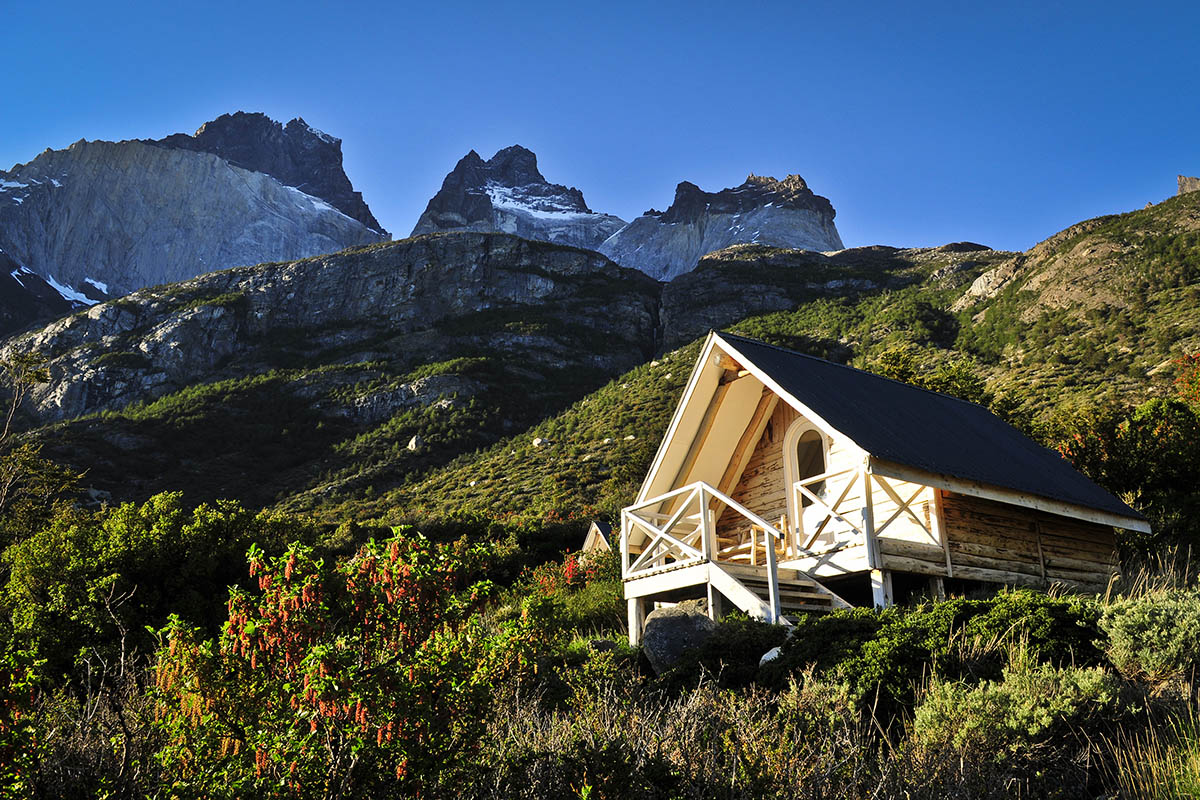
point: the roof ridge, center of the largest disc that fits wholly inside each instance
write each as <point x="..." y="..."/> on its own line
<point x="853" y="369"/>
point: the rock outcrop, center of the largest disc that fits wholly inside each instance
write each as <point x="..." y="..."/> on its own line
<point x="25" y="298"/>
<point x="508" y="194"/>
<point x="127" y="215"/>
<point x="349" y="308"/>
<point x="762" y="210"/>
<point x="673" y="630"/>
<point x="295" y="154"/>
<point x="1187" y="184"/>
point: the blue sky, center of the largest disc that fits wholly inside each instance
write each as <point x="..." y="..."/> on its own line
<point x="923" y="122"/>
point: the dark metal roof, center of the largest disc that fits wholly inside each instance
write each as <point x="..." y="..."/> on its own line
<point x="927" y="430"/>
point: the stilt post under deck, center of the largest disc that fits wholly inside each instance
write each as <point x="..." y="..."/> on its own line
<point x="881" y="579"/>
<point x="716" y="604"/>
<point x="637" y="619"/>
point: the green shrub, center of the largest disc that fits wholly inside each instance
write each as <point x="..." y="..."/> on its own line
<point x="1155" y="636"/>
<point x="885" y="655"/>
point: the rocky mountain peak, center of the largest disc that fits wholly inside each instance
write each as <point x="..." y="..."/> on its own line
<point x="295" y="154"/>
<point x="507" y="193"/>
<point x="762" y="210"/>
<point x="1187" y="184"/>
<point x="515" y="166"/>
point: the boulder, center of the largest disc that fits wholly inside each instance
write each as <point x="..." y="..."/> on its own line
<point x="670" y="631"/>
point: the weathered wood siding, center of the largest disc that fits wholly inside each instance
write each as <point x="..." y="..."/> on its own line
<point x="1002" y="543"/>
<point x="761" y="487"/>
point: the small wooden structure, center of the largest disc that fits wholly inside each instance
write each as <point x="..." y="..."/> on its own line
<point x="789" y="483"/>
<point x="599" y="537"/>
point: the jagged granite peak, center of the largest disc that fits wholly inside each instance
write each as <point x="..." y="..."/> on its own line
<point x="295" y="154"/>
<point x="508" y="194"/>
<point x="763" y="210"/>
<point x="132" y="214"/>
<point x="1187" y="184"/>
<point x="413" y="296"/>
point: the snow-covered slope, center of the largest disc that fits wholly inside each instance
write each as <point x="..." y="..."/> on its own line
<point x="761" y="211"/>
<point x="508" y="194"/>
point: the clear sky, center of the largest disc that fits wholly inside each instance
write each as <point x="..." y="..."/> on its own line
<point x="923" y="122"/>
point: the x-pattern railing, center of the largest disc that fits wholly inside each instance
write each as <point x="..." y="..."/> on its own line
<point x="679" y="529"/>
<point x="843" y="515"/>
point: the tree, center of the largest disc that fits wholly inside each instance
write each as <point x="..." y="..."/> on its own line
<point x="30" y="484"/>
<point x="368" y="679"/>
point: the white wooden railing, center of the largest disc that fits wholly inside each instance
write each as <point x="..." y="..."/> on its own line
<point x="835" y="519"/>
<point x="679" y="529"/>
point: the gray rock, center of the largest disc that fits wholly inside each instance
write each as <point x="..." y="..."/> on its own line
<point x="762" y="211"/>
<point x="295" y="154"/>
<point x="156" y="341"/>
<point x="508" y="194"/>
<point x="670" y="631"/>
<point x="1187" y="184"/>
<point x="121" y="216"/>
<point x="770" y="656"/>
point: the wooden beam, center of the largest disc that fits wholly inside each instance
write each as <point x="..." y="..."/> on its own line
<point x="937" y="519"/>
<point x="1010" y="496"/>
<point x="725" y="361"/>
<point x="706" y="425"/>
<point x="1037" y="533"/>
<point x="744" y="450"/>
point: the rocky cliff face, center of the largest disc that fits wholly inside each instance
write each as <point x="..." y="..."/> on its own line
<point x="295" y="154"/>
<point x="368" y="304"/>
<point x="508" y="194"/>
<point x="126" y="215"/>
<point x="761" y="211"/>
<point x="25" y="298"/>
<point x="1187" y="184"/>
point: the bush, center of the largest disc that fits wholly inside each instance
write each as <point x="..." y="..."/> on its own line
<point x="1028" y="730"/>
<point x="88" y="580"/>
<point x="1155" y="636"/>
<point x="368" y="678"/>
<point x="885" y="655"/>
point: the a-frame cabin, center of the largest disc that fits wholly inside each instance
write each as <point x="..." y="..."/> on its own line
<point x="787" y="483"/>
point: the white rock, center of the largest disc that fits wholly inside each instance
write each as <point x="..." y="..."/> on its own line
<point x="770" y="655"/>
<point x="415" y="443"/>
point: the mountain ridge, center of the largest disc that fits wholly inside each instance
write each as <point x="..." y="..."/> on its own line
<point x="508" y="194"/>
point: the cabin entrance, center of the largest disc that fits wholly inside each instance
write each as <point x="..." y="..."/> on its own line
<point x="805" y="454"/>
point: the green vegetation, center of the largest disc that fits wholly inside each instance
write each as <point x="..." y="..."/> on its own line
<point x="403" y="620"/>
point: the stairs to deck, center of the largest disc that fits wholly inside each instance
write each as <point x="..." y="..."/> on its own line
<point x="797" y="592"/>
<point x="744" y="586"/>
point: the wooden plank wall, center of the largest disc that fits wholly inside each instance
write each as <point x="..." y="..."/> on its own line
<point x="761" y="487"/>
<point x="1002" y="543"/>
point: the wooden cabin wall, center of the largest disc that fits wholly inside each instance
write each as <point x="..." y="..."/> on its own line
<point x="761" y="487"/>
<point x="1002" y="543"/>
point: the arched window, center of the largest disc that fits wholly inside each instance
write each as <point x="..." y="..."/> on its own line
<point x="804" y="455"/>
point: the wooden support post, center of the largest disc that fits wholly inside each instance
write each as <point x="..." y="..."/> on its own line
<point x="1037" y="533"/>
<point x="881" y="579"/>
<point x="716" y="604"/>
<point x="874" y="560"/>
<point x="937" y="587"/>
<point x="937" y="520"/>
<point x="637" y="619"/>
<point x="772" y="580"/>
<point x="881" y="588"/>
